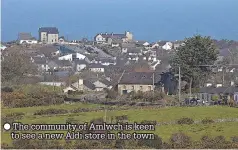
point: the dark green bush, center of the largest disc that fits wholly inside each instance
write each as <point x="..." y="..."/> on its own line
<point x="51" y="111"/>
<point x="185" y="121"/>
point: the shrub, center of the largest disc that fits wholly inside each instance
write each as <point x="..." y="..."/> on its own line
<point x="207" y="121"/>
<point x="7" y="89"/>
<point x="97" y="121"/>
<point x="235" y="139"/>
<point x="215" y="97"/>
<point x="155" y="143"/>
<point x="180" y="140"/>
<point x="121" y="118"/>
<point x="77" y="110"/>
<point x="111" y="94"/>
<point x="185" y="121"/>
<point x="119" y="144"/>
<point x="50" y="111"/>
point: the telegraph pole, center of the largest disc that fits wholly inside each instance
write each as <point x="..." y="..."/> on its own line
<point x="179" y="85"/>
<point x="153" y="85"/>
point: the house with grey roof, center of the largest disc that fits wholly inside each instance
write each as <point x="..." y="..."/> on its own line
<point x="48" y="35"/>
<point x="41" y="63"/>
<point x="206" y="93"/>
<point x="106" y="61"/>
<point x="60" y="64"/>
<point x="79" y="65"/>
<point x="138" y="81"/>
<point x="26" y="38"/>
<point x="80" y="85"/>
<point x="102" y="38"/>
<point x="49" y="51"/>
<point x="126" y="46"/>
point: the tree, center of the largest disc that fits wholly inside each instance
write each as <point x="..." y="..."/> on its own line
<point x="15" y="66"/>
<point x="197" y="51"/>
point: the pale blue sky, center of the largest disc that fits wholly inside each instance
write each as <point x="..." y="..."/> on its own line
<point x="150" y="20"/>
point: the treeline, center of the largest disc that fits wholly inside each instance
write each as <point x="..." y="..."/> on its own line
<point x="176" y="141"/>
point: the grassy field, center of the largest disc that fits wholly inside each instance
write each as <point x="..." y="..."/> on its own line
<point x="227" y="129"/>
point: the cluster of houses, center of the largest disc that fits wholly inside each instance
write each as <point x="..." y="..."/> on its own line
<point x="55" y="56"/>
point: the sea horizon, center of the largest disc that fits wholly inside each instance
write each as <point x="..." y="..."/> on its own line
<point x="151" y="20"/>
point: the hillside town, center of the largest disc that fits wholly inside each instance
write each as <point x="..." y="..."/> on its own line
<point x="118" y="62"/>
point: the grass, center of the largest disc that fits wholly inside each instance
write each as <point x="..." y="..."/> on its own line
<point x="196" y="131"/>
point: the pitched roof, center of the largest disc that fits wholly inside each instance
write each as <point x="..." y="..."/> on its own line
<point x="86" y="83"/>
<point x="25" y="36"/>
<point x="117" y="41"/>
<point x="95" y="66"/>
<point x="218" y="90"/>
<point x="140" y="78"/>
<point x="49" y="30"/>
<point x="133" y="50"/>
<point x="39" y="60"/>
<point x="80" y="61"/>
<point x="105" y="60"/>
<point x="48" y="50"/>
<point x="112" y="35"/>
<point x="128" y="45"/>
<point x="63" y="63"/>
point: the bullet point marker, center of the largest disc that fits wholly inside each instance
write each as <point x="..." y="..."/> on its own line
<point x="7" y="126"/>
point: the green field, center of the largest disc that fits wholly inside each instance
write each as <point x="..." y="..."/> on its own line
<point x="227" y="129"/>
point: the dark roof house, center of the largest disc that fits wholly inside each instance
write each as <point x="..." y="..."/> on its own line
<point x="49" y="30"/>
<point x="95" y="66"/>
<point x="219" y="90"/>
<point x="25" y="36"/>
<point x="144" y="78"/>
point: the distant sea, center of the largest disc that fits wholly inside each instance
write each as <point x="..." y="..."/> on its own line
<point x="149" y="20"/>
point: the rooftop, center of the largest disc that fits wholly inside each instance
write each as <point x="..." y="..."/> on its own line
<point x="49" y="30"/>
<point x="145" y="78"/>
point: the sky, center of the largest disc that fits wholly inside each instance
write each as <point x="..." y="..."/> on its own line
<point x="150" y="20"/>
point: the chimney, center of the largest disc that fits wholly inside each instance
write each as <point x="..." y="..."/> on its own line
<point x="106" y="33"/>
<point x="112" y="33"/>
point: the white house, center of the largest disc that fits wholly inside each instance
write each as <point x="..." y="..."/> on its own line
<point x="168" y="46"/>
<point x="80" y="65"/>
<point x="71" y="57"/>
<point x="26" y="38"/>
<point x="146" y="44"/>
<point x="155" y="45"/>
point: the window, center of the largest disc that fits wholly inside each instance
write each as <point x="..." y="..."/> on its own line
<point x="132" y="87"/>
<point x="141" y="88"/>
<point x="202" y="96"/>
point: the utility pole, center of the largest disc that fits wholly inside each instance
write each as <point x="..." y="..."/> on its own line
<point x="153" y="85"/>
<point x="179" y="85"/>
